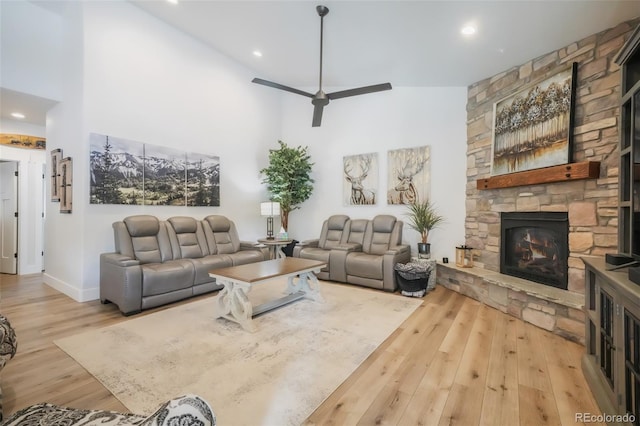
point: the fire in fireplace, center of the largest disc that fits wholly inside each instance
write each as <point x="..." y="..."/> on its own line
<point x="535" y="246"/>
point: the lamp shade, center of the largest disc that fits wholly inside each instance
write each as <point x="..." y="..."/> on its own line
<point x="269" y="208"/>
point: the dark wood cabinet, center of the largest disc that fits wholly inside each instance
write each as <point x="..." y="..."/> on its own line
<point x="612" y="327"/>
<point x="629" y="189"/>
<point x="612" y="361"/>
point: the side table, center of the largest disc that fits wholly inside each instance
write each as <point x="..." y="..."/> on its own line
<point x="275" y="247"/>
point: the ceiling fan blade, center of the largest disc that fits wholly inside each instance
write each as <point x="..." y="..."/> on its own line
<point x="281" y="87"/>
<point x="359" y="91"/>
<point x="317" y="115"/>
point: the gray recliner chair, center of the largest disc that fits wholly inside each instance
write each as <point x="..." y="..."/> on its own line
<point x="222" y="239"/>
<point x="382" y="248"/>
<point x="189" y="242"/>
<point x="335" y="232"/>
<point x="144" y="266"/>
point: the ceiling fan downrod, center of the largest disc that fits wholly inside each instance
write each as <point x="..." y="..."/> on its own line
<point x="322" y="11"/>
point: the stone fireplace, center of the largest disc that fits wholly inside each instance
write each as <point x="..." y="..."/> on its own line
<point x="589" y="204"/>
<point x="535" y="246"/>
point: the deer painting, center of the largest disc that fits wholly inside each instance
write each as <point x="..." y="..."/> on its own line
<point x="356" y="169"/>
<point x="405" y="165"/>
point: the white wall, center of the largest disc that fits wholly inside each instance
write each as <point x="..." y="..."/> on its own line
<point x="129" y="75"/>
<point x="31" y="55"/>
<point x="141" y="80"/>
<point x="401" y="118"/>
<point x="30" y="198"/>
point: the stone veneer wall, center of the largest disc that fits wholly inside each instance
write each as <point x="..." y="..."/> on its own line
<point x="591" y="204"/>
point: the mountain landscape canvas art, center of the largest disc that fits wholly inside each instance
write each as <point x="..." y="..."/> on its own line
<point x="134" y="173"/>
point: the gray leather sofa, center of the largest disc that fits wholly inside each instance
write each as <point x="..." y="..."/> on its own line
<point x="360" y="251"/>
<point x="157" y="262"/>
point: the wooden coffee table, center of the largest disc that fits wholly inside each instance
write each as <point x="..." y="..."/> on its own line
<point x="232" y="302"/>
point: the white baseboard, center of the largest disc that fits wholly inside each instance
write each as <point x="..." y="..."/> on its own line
<point x="77" y="294"/>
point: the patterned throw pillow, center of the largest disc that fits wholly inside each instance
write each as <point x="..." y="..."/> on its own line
<point x="8" y="342"/>
<point x="49" y="414"/>
<point x="188" y="410"/>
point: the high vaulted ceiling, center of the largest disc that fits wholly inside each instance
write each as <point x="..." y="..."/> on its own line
<point x="408" y="43"/>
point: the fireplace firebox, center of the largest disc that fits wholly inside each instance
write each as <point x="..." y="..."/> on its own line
<point x="535" y="246"/>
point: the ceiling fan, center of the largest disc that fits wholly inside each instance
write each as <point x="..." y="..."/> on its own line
<point x="321" y="99"/>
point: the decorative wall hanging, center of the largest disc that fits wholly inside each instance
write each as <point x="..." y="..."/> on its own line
<point x="56" y="156"/>
<point x="23" y="141"/>
<point x="66" y="185"/>
<point x="129" y="172"/>
<point x="360" y="183"/>
<point x="409" y="175"/>
<point x="533" y="128"/>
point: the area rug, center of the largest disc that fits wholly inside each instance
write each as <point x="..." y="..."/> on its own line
<point x="276" y="376"/>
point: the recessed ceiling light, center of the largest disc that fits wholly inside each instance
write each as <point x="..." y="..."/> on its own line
<point x="257" y="53"/>
<point x="173" y="1"/>
<point x="469" y="29"/>
<point x="17" y="115"/>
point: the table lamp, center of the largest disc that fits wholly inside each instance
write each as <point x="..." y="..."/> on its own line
<point x="269" y="209"/>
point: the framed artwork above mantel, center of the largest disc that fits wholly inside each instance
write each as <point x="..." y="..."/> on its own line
<point x="533" y="128"/>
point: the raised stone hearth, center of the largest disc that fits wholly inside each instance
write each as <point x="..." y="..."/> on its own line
<point x="590" y="203"/>
<point x="550" y="308"/>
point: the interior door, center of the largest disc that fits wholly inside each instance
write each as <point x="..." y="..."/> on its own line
<point x="8" y="217"/>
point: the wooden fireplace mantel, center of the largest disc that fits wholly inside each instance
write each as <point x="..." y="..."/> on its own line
<point x="561" y="173"/>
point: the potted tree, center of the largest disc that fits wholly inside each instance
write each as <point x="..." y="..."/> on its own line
<point x="423" y="217"/>
<point x="288" y="180"/>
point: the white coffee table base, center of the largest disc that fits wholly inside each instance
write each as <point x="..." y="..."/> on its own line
<point x="233" y="304"/>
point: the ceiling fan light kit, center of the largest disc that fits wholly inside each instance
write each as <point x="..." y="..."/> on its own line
<point x="321" y="99"/>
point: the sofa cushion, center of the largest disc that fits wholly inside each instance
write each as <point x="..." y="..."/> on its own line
<point x="314" y="253"/>
<point x="183" y="224"/>
<point x="382" y="227"/>
<point x="149" y="239"/>
<point x="187" y="238"/>
<point x="160" y="278"/>
<point x="142" y="225"/>
<point x="222" y="236"/>
<point x="333" y="236"/>
<point x="246" y="256"/>
<point x="364" y="265"/>
<point x="357" y="231"/>
<point x="206" y="264"/>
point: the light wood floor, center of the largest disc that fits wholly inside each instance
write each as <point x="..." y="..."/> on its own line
<point x="453" y="362"/>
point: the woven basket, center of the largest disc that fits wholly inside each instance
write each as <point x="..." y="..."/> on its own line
<point x="411" y="285"/>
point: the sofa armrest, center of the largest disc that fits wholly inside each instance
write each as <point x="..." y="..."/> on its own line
<point x="121" y="282"/>
<point x="338" y="261"/>
<point x="309" y="243"/>
<point x="188" y="410"/>
<point x="249" y="245"/>
<point x="304" y="244"/>
<point x="395" y="254"/>
<point x="348" y="247"/>
<point x="118" y="259"/>
<point x="397" y="250"/>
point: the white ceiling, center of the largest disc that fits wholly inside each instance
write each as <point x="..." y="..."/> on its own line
<point x="406" y="43"/>
<point x="33" y="107"/>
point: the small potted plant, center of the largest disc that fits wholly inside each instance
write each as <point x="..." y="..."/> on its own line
<point x="423" y="217"/>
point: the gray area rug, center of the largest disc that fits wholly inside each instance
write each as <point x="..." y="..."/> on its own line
<point x="277" y="376"/>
